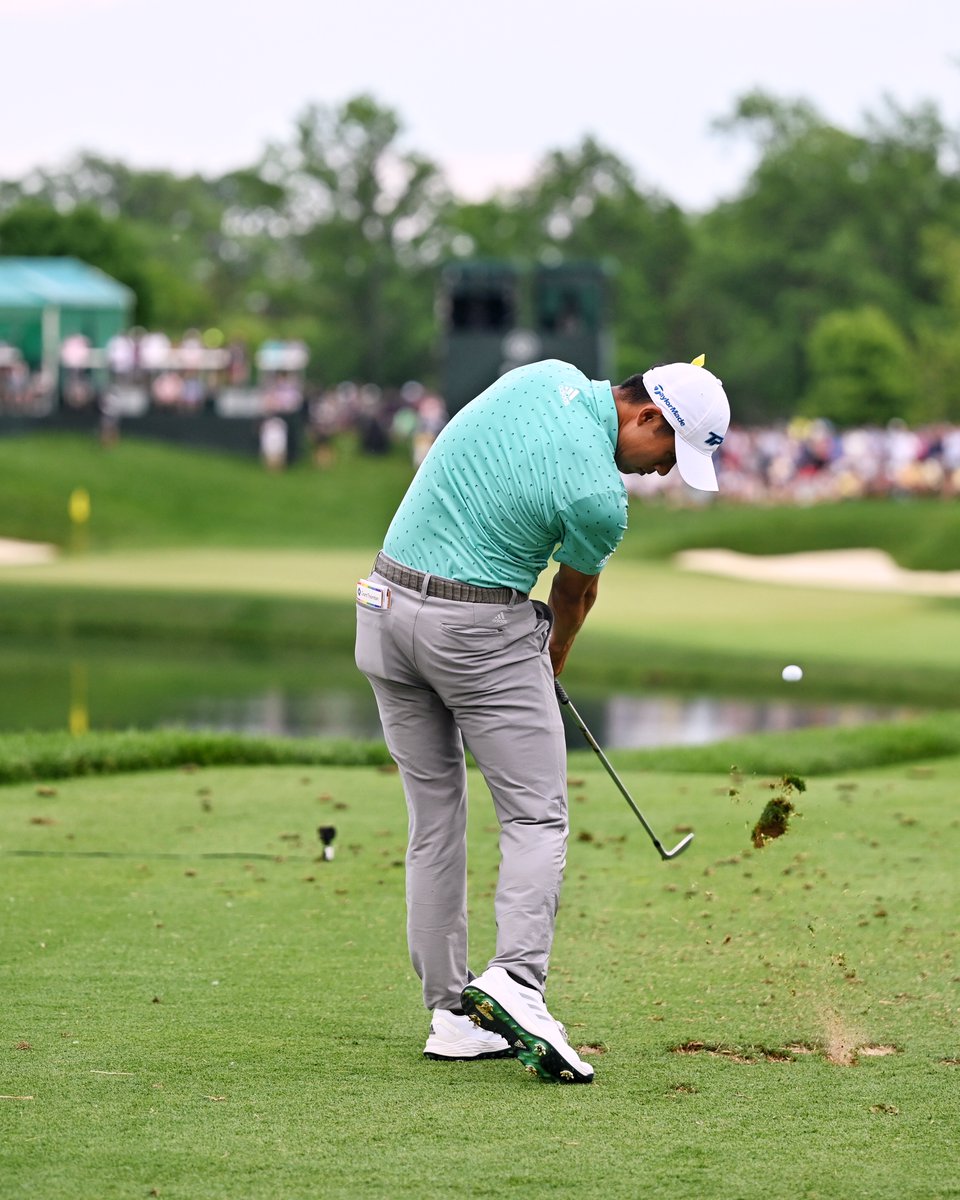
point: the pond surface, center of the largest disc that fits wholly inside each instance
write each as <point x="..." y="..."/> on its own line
<point x="618" y="722"/>
<point x="95" y="686"/>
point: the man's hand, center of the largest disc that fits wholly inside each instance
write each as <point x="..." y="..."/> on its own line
<point x="571" y="598"/>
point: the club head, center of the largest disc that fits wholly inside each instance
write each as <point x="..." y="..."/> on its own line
<point x="678" y="848"/>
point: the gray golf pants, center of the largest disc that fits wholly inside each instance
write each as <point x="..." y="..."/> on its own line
<point x="445" y="672"/>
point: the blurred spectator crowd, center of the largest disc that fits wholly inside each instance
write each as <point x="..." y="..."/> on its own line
<point x="380" y="418"/>
<point x="802" y="462"/>
<point x="811" y="462"/>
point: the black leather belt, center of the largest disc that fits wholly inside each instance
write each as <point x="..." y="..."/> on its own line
<point x="444" y="589"/>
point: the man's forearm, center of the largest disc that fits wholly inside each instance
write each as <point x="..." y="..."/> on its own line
<point x="569" y="613"/>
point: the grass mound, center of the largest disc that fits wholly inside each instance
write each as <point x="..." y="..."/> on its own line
<point x="808" y="752"/>
<point x="62" y="755"/>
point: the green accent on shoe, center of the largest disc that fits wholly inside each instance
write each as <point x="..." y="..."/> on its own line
<point x="537" y="1056"/>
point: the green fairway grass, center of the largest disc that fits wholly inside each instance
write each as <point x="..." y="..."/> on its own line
<point x="195" y="1005"/>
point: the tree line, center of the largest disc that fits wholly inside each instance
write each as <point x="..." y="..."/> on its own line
<point x="829" y="285"/>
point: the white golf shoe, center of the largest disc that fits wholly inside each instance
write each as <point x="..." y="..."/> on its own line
<point x="455" y="1038"/>
<point x="497" y="1003"/>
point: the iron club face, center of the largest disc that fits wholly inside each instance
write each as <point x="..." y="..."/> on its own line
<point x="678" y="848"/>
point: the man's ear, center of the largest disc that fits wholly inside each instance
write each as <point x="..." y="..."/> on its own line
<point x="649" y="412"/>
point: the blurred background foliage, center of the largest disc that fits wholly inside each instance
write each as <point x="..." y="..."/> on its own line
<point x="830" y="284"/>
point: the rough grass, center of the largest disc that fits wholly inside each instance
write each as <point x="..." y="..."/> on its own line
<point x="48" y="756"/>
<point x="61" y="755"/>
<point x="194" y="1005"/>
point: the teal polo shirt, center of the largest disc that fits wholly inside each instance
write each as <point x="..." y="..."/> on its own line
<point x="523" y="472"/>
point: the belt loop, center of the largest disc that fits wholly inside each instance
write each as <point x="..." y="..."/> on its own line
<point x="426" y="583"/>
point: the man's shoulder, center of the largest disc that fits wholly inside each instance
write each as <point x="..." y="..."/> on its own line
<point x="546" y="371"/>
<point x="556" y="368"/>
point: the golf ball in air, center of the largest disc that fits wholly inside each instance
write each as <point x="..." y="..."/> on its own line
<point x="792" y="674"/>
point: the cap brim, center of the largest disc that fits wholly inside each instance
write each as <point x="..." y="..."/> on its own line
<point x="695" y="468"/>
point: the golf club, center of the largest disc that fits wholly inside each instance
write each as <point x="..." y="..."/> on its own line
<point x="680" y="846"/>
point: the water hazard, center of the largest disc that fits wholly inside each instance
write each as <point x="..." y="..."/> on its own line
<point x="618" y="722"/>
<point x="45" y="687"/>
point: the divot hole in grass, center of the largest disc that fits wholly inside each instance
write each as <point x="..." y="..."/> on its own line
<point x="716" y="1051"/>
<point x="839" y="1051"/>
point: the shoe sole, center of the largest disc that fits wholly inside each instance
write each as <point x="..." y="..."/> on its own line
<point x="487" y="1054"/>
<point x="538" y="1056"/>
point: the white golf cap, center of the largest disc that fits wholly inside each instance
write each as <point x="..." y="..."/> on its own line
<point x="695" y="404"/>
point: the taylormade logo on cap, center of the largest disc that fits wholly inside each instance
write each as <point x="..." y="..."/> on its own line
<point x="664" y="400"/>
<point x="693" y="400"/>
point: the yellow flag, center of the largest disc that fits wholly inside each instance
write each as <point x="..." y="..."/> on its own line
<point x="79" y="506"/>
<point x="700" y="360"/>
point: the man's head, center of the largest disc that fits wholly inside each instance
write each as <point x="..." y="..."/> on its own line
<point x="695" y="404"/>
<point x="645" y="439"/>
<point x="675" y="413"/>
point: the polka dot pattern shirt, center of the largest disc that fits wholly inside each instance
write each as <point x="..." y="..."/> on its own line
<point x="523" y="472"/>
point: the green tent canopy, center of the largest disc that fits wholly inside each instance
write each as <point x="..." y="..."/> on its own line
<point x="44" y="300"/>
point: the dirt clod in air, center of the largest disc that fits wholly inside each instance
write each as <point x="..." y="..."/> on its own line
<point x="777" y="812"/>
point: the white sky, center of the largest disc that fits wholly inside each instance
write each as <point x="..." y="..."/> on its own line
<point x="484" y="89"/>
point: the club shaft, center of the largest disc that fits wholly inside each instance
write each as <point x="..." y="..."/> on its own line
<point x="595" y="746"/>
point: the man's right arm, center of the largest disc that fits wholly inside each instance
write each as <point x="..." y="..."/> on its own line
<point x="571" y="597"/>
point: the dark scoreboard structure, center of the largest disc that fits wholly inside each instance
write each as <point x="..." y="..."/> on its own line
<point x="495" y="316"/>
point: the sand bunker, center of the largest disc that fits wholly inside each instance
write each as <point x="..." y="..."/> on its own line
<point x="14" y="553"/>
<point x="859" y="570"/>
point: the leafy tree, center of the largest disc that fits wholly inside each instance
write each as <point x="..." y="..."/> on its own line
<point x="850" y="239"/>
<point x="195" y="269"/>
<point x="366" y="234"/>
<point x="34" y="228"/>
<point x="936" y="396"/>
<point x="861" y="368"/>
<point x="827" y="220"/>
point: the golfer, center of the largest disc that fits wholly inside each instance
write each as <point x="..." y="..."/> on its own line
<point x="456" y="652"/>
